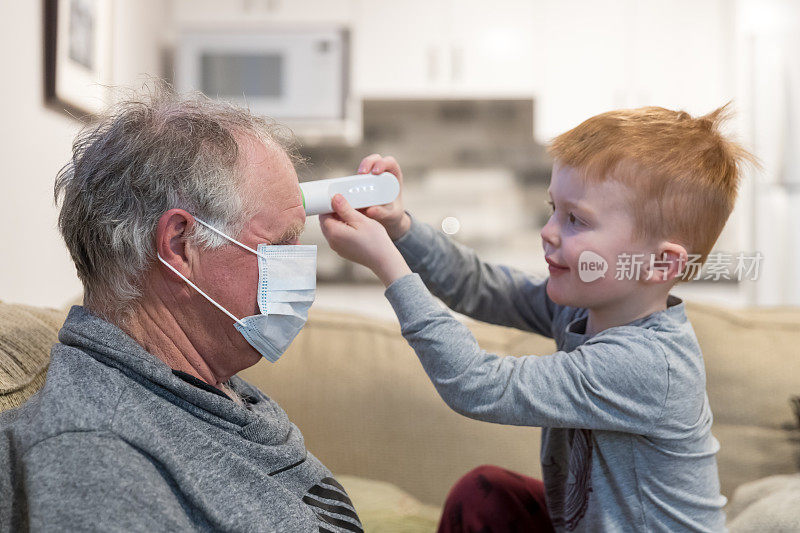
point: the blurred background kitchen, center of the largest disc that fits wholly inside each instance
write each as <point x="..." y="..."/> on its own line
<point x="465" y="93"/>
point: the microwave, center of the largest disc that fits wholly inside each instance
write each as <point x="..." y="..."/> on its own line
<point x="299" y="77"/>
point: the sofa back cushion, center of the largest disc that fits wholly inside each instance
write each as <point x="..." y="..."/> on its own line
<point x="753" y="369"/>
<point x="752" y="362"/>
<point x="366" y="407"/>
<point x="26" y="335"/>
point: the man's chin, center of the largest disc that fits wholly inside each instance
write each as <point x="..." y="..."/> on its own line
<point x="246" y="356"/>
<point x="253" y="356"/>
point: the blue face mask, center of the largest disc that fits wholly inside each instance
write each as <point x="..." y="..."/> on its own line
<point x="287" y="281"/>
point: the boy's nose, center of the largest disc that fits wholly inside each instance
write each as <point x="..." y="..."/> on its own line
<point x="550" y="234"/>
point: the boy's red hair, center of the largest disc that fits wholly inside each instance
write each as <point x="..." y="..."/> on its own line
<point x="683" y="172"/>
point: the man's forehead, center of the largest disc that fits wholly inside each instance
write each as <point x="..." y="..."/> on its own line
<point x="272" y="189"/>
<point x="268" y="174"/>
<point x="258" y="156"/>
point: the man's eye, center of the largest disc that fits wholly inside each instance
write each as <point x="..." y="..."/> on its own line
<point x="551" y="205"/>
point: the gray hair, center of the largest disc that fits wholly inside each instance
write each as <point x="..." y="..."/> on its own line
<point x="152" y="152"/>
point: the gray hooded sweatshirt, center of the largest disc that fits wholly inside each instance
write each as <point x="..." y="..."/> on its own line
<point x="626" y="439"/>
<point x="118" y="441"/>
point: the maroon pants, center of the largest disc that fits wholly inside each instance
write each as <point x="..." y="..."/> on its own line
<point x="493" y="499"/>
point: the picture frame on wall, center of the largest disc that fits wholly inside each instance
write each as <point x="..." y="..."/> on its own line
<point x="77" y="49"/>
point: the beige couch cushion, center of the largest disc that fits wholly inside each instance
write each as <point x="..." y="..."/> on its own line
<point x="752" y="362"/>
<point x="26" y="335"/>
<point x="753" y="367"/>
<point x="367" y="408"/>
<point x="769" y="504"/>
<point x="382" y="507"/>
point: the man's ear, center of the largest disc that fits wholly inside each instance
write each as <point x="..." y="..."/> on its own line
<point x="668" y="264"/>
<point x="171" y="231"/>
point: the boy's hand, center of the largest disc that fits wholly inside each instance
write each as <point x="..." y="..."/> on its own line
<point x="363" y="240"/>
<point x="392" y="216"/>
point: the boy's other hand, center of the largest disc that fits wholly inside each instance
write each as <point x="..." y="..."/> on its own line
<point x="363" y="240"/>
<point x="392" y="216"/>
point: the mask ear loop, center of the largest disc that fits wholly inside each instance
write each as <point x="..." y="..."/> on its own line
<point x="195" y="287"/>
<point x="218" y="232"/>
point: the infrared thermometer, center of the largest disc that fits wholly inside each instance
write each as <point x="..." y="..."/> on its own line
<point x="361" y="190"/>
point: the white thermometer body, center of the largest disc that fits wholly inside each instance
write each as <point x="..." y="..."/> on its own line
<point x="361" y="190"/>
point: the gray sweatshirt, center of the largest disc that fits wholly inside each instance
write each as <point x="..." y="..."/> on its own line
<point x="626" y="438"/>
<point x="118" y="441"/>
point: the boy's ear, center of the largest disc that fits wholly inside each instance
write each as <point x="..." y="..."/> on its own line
<point x="668" y="263"/>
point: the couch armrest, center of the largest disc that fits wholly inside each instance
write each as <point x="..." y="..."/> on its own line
<point x="26" y="335"/>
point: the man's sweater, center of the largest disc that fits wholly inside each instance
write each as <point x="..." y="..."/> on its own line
<point x="626" y="439"/>
<point x="118" y="441"/>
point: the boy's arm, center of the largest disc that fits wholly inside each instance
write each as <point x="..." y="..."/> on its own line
<point x="490" y="293"/>
<point x="617" y="383"/>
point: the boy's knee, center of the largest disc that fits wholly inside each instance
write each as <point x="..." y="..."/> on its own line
<point x="494" y="496"/>
<point x="475" y="484"/>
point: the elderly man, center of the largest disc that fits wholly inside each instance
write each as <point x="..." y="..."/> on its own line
<point x="182" y="217"/>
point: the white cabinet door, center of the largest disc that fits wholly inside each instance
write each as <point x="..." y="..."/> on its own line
<point x="397" y="48"/>
<point x="255" y="13"/>
<point x="681" y="60"/>
<point x="447" y="48"/>
<point x="587" y="63"/>
<point x="602" y="55"/>
<point x="495" y="47"/>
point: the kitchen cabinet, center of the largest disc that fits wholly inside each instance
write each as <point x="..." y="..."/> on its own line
<point x="397" y="48"/>
<point x="494" y="47"/>
<point x="445" y="48"/>
<point x="604" y="55"/>
<point x="586" y="65"/>
<point x="255" y="13"/>
<point x="574" y="58"/>
<point x="300" y="96"/>
<point x="682" y="55"/>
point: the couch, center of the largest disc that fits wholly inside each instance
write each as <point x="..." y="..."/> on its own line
<point x="366" y="409"/>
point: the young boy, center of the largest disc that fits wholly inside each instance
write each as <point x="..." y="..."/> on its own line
<point x="626" y="439"/>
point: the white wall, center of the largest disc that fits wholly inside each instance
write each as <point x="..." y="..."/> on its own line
<point x="140" y="29"/>
<point x="35" y="142"/>
<point x="35" y="267"/>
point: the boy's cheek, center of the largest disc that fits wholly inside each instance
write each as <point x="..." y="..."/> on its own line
<point x="555" y="294"/>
